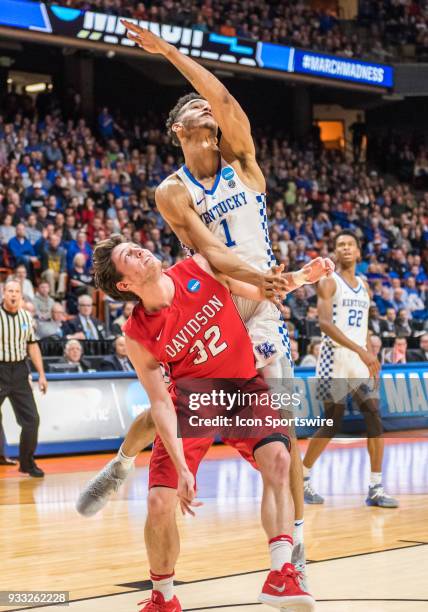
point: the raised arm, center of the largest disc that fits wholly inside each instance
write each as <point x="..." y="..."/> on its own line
<point x="232" y="120"/>
<point x="326" y="290"/>
<point x="164" y="417"/>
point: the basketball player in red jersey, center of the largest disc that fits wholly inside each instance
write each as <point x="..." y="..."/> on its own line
<point x="220" y="348"/>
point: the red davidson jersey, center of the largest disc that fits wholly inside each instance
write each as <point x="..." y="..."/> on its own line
<point x="200" y="335"/>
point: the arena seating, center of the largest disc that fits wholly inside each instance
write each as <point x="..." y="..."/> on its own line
<point x="62" y="176"/>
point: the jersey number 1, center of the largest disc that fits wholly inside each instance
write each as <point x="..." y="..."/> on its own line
<point x="229" y="241"/>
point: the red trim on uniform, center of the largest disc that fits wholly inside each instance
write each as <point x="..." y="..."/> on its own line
<point x="158" y="577"/>
<point x="282" y="538"/>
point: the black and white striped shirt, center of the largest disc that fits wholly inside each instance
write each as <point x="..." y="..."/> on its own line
<point x="16" y="331"/>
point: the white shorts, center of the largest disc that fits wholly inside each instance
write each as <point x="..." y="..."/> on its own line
<point x="340" y="371"/>
<point x="267" y="330"/>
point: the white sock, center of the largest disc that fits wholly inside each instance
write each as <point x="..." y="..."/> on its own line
<point x="126" y="461"/>
<point x="280" y="549"/>
<point x="298" y="532"/>
<point x="306" y="472"/>
<point x="375" y="478"/>
<point x="163" y="584"/>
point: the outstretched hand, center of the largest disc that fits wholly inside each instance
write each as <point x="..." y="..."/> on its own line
<point x="275" y="285"/>
<point x="145" y="39"/>
<point x="317" y="269"/>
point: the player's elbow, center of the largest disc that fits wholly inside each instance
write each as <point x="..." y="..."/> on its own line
<point x="324" y="325"/>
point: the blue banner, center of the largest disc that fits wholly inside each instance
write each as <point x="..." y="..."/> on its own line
<point x="90" y="412"/>
<point x="343" y="69"/>
<point x="92" y="26"/>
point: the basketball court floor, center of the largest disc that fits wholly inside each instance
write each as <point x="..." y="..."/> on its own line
<point x="361" y="559"/>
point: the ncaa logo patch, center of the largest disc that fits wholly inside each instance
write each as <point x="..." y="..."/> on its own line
<point x="228" y="173"/>
<point x="193" y="285"/>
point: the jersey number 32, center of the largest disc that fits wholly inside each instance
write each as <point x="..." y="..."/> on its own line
<point x="211" y="348"/>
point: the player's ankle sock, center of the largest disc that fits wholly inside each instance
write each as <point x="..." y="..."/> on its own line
<point x="298" y="532"/>
<point x="164" y="584"/>
<point x="306" y="472"/>
<point x="126" y="461"/>
<point x="280" y="549"/>
<point x="375" y="478"/>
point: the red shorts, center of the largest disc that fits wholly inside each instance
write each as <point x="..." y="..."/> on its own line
<point x="162" y="472"/>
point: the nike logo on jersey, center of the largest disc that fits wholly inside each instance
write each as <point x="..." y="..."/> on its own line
<point x="277" y="588"/>
<point x="200" y="202"/>
<point x="159" y="335"/>
<point x="222" y="208"/>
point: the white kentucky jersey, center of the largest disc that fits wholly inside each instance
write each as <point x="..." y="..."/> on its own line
<point x="237" y="215"/>
<point x="351" y="310"/>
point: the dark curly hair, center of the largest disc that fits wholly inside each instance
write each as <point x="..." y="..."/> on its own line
<point x="173" y="114"/>
<point x="105" y="273"/>
<point x="346" y="232"/>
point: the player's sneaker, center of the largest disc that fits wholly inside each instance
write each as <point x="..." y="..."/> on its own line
<point x="157" y="604"/>
<point x="298" y="559"/>
<point x="311" y="496"/>
<point x="282" y="590"/>
<point x="98" y="491"/>
<point x="377" y="497"/>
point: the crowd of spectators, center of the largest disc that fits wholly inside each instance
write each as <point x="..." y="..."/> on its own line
<point x="397" y="22"/>
<point x="65" y="185"/>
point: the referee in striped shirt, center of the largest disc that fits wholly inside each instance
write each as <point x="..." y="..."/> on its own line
<point x="17" y="339"/>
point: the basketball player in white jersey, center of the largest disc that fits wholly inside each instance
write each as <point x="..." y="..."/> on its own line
<point x="215" y="204"/>
<point x="346" y="365"/>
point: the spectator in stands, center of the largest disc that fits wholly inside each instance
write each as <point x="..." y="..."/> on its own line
<point x="388" y="327"/>
<point x="80" y="283"/>
<point x="399" y="298"/>
<point x="43" y="302"/>
<point x="375" y="322"/>
<point x="403" y="327"/>
<point x="358" y="130"/>
<point x="105" y="123"/>
<point x="127" y="309"/>
<point x="310" y="359"/>
<point x="22" y="250"/>
<point x="298" y="303"/>
<point x="27" y="288"/>
<point x="420" y="354"/>
<point x="295" y="356"/>
<point x="33" y="232"/>
<point x="54" y="267"/>
<point x="414" y="300"/>
<point x="80" y="245"/>
<point x="398" y="353"/>
<point x="73" y="356"/>
<point x="7" y="230"/>
<point x="52" y="327"/>
<point x="118" y="362"/>
<point x="375" y="345"/>
<point x="383" y="300"/>
<point x="85" y="326"/>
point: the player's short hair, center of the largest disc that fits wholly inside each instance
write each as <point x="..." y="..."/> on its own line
<point x="174" y="112"/>
<point x="106" y="275"/>
<point x="346" y="232"/>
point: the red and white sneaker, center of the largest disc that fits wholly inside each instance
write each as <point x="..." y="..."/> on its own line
<point x="158" y="604"/>
<point x="282" y="590"/>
